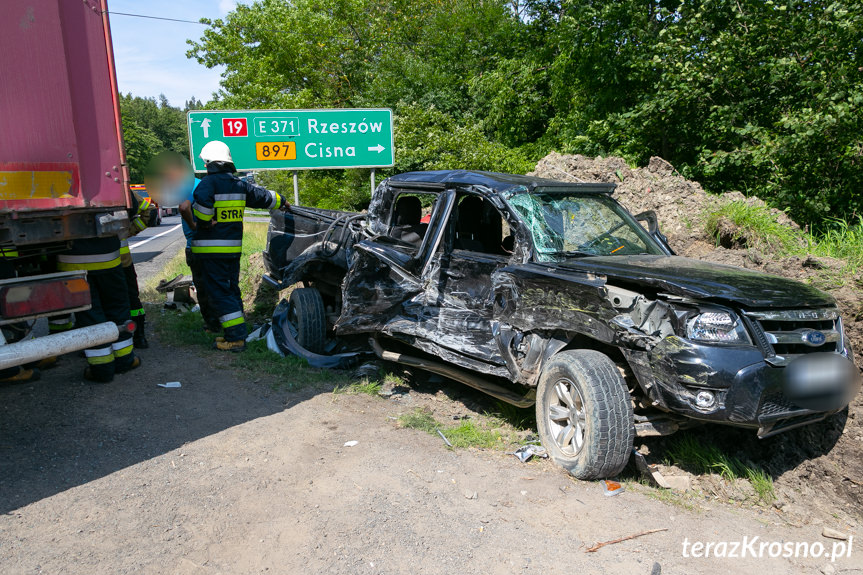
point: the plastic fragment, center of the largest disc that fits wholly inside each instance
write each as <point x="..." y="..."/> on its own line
<point x="525" y="452"/>
<point x="351" y="443"/>
<point x="170" y="385"/>
<point x="611" y="488"/>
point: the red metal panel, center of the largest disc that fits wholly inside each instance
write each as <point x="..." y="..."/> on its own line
<point x="58" y="98"/>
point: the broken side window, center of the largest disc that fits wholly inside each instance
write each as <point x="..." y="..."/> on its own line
<point x="480" y="227"/>
<point x="409" y="217"/>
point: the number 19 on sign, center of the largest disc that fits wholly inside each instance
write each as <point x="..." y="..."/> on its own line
<point x="276" y="150"/>
<point x="234" y="127"/>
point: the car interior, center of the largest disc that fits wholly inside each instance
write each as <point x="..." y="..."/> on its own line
<point x="406" y="224"/>
<point x="479" y="227"/>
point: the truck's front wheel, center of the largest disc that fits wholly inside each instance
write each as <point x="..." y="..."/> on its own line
<point x="584" y="414"/>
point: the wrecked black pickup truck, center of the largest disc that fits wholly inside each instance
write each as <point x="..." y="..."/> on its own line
<point x="550" y="293"/>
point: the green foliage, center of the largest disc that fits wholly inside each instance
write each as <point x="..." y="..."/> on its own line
<point x="753" y="226"/>
<point x="760" y="96"/>
<point x="419" y="419"/>
<point x="468" y="433"/>
<point x="840" y="240"/>
<point x="688" y="452"/>
<point x="364" y="387"/>
<point x="741" y="94"/>
<point x="150" y="126"/>
<point x="141" y="145"/>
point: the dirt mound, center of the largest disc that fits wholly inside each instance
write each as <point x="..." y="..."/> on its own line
<point x="681" y="204"/>
<point x="819" y="467"/>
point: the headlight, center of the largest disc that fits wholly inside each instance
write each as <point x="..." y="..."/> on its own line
<point x="716" y="327"/>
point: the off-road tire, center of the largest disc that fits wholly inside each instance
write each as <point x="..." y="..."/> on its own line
<point x="310" y="319"/>
<point x="606" y="410"/>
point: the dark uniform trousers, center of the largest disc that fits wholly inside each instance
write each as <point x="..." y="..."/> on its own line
<point x="109" y="302"/>
<point x="220" y="278"/>
<point x="211" y="319"/>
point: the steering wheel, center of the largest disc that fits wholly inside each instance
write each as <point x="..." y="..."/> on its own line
<point x="607" y="242"/>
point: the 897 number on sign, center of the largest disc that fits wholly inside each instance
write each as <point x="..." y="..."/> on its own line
<point x="276" y="150"/>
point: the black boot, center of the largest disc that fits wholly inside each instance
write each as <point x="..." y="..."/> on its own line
<point x="139" y="338"/>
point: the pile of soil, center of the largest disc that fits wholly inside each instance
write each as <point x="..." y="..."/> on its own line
<point x="819" y="466"/>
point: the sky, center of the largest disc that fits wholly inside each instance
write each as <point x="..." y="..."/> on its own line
<point x="150" y="55"/>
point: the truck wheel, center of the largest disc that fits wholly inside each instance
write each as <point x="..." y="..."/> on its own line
<point x="584" y="414"/>
<point x="308" y="316"/>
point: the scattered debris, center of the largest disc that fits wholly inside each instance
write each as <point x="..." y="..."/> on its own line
<point x="834" y="534"/>
<point x="652" y="473"/>
<point x="525" y="452"/>
<point x="177" y="291"/>
<point x="368" y="369"/>
<point x="170" y="385"/>
<point x="285" y="340"/>
<point x="445" y="440"/>
<point x="612" y="488"/>
<point x="351" y="443"/>
<point x="470" y="495"/>
<point x="259" y="333"/>
<point x="622" y="539"/>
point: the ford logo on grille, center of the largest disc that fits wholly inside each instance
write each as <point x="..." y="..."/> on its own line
<point x="814" y="338"/>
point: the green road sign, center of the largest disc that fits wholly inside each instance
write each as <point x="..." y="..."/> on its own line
<point x="296" y="139"/>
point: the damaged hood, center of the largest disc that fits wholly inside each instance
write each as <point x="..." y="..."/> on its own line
<point x="701" y="280"/>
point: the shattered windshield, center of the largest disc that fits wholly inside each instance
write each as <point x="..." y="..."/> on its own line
<point x="567" y="224"/>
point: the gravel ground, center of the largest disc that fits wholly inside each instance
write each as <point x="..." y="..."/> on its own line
<point x="229" y="475"/>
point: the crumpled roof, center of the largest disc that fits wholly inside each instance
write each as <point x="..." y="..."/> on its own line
<point x="492" y="180"/>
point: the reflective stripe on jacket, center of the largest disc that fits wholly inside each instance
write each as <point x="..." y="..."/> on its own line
<point x="125" y="253"/>
<point x="92" y="254"/>
<point x="220" y="200"/>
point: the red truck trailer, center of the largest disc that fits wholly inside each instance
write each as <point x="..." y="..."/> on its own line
<point x="62" y="164"/>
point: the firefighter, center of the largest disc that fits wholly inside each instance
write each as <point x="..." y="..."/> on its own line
<point x="211" y="322"/>
<point x="137" y="224"/>
<point x="220" y="200"/>
<point x="109" y="295"/>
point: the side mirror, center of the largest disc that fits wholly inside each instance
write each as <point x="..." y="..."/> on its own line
<point x="651" y="223"/>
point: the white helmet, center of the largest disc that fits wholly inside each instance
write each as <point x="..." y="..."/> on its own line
<point x="216" y="151"/>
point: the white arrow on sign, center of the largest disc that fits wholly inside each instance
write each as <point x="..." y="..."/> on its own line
<point x="205" y="125"/>
<point x="377" y="148"/>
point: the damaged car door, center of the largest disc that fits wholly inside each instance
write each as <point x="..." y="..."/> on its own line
<point x="383" y="290"/>
<point x="460" y="296"/>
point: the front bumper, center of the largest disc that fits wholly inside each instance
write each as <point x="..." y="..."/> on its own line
<point x="749" y="391"/>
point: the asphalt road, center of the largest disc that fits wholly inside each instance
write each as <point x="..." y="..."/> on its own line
<point x="153" y="247"/>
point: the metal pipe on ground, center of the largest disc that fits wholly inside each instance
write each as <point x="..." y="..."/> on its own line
<point x="32" y="350"/>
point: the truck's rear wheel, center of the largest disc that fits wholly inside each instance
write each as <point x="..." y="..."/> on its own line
<point x="308" y="316"/>
<point x="584" y="414"/>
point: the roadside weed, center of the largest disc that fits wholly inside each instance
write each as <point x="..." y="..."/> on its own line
<point x="466" y="434"/>
<point x="364" y="386"/>
<point x="688" y="452"/>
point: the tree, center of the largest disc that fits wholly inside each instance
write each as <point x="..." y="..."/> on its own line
<point x="150" y="126"/>
<point x="762" y="96"/>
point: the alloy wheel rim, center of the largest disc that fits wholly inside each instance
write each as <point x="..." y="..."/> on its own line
<point x="567" y="421"/>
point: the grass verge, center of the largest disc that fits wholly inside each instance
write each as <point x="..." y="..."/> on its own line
<point x="739" y="224"/>
<point x="742" y="225"/>
<point x="468" y="433"/>
<point x="185" y="329"/>
<point x="288" y="373"/>
<point x="691" y="454"/>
